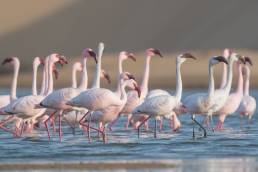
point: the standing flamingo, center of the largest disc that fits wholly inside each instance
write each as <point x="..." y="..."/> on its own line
<point x="57" y="99"/>
<point x="133" y="100"/>
<point x="24" y="106"/>
<point x="164" y="105"/>
<point x="233" y="101"/>
<point x="208" y="103"/>
<point x="248" y="104"/>
<point x="105" y="103"/>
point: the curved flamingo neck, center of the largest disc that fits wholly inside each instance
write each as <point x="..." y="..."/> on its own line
<point x="247" y="82"/>
<point x="224" y="76"/>
<point x="84" y="81"/>
<point x="179" y="85"/>
<point x="50" y="77"/>
<point x="15" y="78"/>
<point x="123" y="96"/>
<point x="43" y="83"/>
<point x="120" y="71"/>
<point x="34" y="80"/>
<point x="145" y="80"/>
<point x="46" y="80"/>
<point x="230" y="76"/>
<point x="74" y="77"/>
<point x="96" y="81"/>
<point x="211" y="82"/>
<point x="239" y="89"/>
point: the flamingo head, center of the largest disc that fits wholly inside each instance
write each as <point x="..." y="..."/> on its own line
<point x="38" y="61"/>
<point x="7" y="60"/>
<point x="183" y="57"/>
<point x="218" y="59"/>
<point x="124" y="55"/>
<point x="237" y="57"/>
<point x="42" y="61"/>
<point x="227" y="53"/>
<point x="57" y="58"/>
<point x="105" y="75"/>
<point x="153" y="52"/>
<point x="88" y="52"/>
<point x="77" y="66"/>
<point x="126" y="76"/>
<point x="132" y="84"/>
<point x="248" y="60"/>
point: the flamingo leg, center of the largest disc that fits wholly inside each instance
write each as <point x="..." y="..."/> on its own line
<point x="22" y="128"/>
<point x="160" y="124"/>
<point x="88" y="126"/>
<point x="60" y="125"/>
<point x="89" y="122"/>
<point x="113" y="123"/>
<point x="46" y="126"/>
<point x="155" y="128"/>
<point x="70" y="125"/>
<point x="138" y="128"/>
<point x="200" y="125"/>
<point x="129" y="117"/>
<point x="5" y="122"/>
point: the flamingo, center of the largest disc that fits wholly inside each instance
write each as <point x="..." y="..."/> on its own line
<point x="105" y="103"/>
<point x="164" y="105"/>
<point x="208" y="103"/>
<point x="133" y="100"/>
<point x="6" y="99"/>
<point x="24" y="106"/>
<point x="57" y="99"/>
<point x="15" y="62"/>
<point x="233" y="101"/>
<point x="248" y="104"/>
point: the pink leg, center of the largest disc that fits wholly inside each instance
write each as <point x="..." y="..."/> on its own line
<point x="161" y="125"/>
<point x="2" y="123"/>
<point x="113" y="123"/>
<point x="47" y="122"/>
<point x="129" y="117"/>
<point x="138" y="128"/>
<point x="60" y="125"/>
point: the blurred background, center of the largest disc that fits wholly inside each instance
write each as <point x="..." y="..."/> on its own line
<point x="31" y="28"/>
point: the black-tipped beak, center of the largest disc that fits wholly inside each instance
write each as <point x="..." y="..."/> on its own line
<point x="107" y="77"/>
<point x="157" y="52"/>
<point x="132" y="56"/>
<point x="221" y="59"/>
<point x="42" y="61"/>
<point x="248" y="60"/>
<point x="130" y="76"/>
<point x="188" y="55"/>
<point x="137" y="88"/>
<point x="7" y="60"/>
<point x="93" y="54"/>
<point x="56" y="73"/>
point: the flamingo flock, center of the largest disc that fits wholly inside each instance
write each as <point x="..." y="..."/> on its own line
<point x="94" y="109"/>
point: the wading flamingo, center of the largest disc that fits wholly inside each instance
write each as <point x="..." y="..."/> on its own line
<point x="233" y="101"/>
<point x="248" y="104"/>
<point x="57" y="99"/>
<point x="164" y="105"/>
<point x="208" y="103"/>
<point x="105" y="103"/>
<point x="24" y="106"/>
<point x="133" y="100"/>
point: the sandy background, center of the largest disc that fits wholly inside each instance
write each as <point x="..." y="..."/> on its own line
<point x="32" y="28"/>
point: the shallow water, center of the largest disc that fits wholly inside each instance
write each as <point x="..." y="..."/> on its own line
<point x="236" y="145"/>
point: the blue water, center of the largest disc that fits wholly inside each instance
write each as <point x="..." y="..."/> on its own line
<point x="233" y="143"/>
